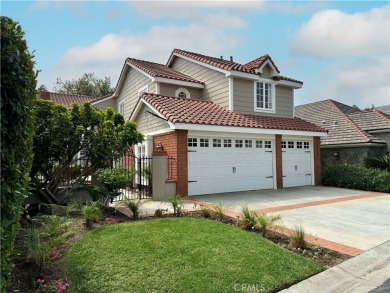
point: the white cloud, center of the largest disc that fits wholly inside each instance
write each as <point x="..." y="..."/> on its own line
<point x="333" y="34"/>
<point x="363" y="82"/>
<point x="107" y="55"/>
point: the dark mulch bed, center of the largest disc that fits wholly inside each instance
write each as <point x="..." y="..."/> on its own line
<point x="24" y="274"/>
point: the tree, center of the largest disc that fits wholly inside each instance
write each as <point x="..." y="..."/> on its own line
<point x="42" y="88"/>
<point x="65" y="138"/>
<point x="88" y="85"/>
<point x="18" y="82"/>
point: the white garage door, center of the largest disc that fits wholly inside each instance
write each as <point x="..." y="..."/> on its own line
<point x="296" y="163"/>
<point x="218" y="165"/>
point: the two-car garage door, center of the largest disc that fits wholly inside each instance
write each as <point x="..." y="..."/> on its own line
<point x="218" y="165"/>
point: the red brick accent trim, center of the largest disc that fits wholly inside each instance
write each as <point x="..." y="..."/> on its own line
<point x="317" y="160"/>
<point x="279" y="161"/>
<point x="318" y="202"/>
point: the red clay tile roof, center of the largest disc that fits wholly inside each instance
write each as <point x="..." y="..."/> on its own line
<point x="159" y="70"/>
<point x="216" y="62"/>
<point x="229" y="65"/>
<point x="336" y="118"/>
<point x="66" y="99"/>
<point x="179" y="110"/>
<point x="254" y="64"/>
<point x="286" y="78"/>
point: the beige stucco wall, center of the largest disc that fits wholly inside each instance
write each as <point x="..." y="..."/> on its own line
<point x="149" y="123"/>
<point x="243" y="97"/>
<point x="216" y="83"/>
<point x="170" y="89"/>
<point x="134" y="81"/>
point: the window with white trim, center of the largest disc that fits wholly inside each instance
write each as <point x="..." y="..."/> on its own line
<point x="290" y="144"/>
<point x="299" y="144"/>
<point x="306" y="145"/>
<point x="227" y="143"/>
<point x="239" y="143"/>
<point x="204" y="142"/>
<point x="192" y="142"/>
<point x="122" y="108"/>
<point x="267" y="144"/>
<point x="264" y="96"/>
<point x="259" y="144"/>
<point x="141" y="151"/>
<point x="248" y="143"/>
<point x="217" y="142"/>
<point x="284" y="144"/>
<point x="182" y="93"/>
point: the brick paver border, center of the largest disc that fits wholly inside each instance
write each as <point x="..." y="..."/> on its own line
<point x="342" y="248"/>
<point x="319" y="202"/>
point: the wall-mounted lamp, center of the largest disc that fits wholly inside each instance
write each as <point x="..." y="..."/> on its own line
<point x="159" y="147"/>
<point x="336" y="155"/>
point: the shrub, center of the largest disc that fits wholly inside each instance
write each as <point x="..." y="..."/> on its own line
<point x="54" y="225"/>
<point x="205" y="212"/>
<point x="219" y="211"/>
<point x="159" y="213"/>
<point x="111" y="181"/>
<point x="265" y="221"/>
<point x="248" y="217"/>
<point x="356" y="177"/>
<point x="91" y="212"/>
<point x="378" y="162"/>
<point x="18" y="82"/>
<point x="297" y="239"/>
<point x="177" y="203"/>
<point x="134" y="206"/>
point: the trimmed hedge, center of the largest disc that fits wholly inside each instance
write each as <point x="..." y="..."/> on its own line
<point x="18" y="81"/>
<point x="356" y="177"/>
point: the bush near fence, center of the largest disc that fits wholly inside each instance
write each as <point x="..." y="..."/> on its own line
<point x="356" y="177"/>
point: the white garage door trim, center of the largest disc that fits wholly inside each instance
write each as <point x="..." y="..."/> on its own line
<point x="229" y="164"/>
<point x="298" y="162"/>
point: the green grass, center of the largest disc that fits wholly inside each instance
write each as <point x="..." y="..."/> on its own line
<point x="180" y="255"/>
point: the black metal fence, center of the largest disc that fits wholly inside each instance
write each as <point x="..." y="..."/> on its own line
<point x="140" y="176"/>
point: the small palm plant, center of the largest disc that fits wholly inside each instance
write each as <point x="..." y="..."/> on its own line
<point x="248" y="217"/>
<point x="177" y="203"/>
<point x="266" y="221"/>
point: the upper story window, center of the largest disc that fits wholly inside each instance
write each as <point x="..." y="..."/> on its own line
<point x="264" y="96"/>
<point x="182" y="93"/>
<point x="122" y="108"/>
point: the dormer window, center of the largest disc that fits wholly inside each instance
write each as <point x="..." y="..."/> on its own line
<point x="264" y="96"/>
<point x="182" y="93"/>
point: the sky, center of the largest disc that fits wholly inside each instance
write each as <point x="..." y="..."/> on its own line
<point x="339" y="49"/>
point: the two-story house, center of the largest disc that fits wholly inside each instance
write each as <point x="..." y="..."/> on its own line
<point x="230" y="127"/>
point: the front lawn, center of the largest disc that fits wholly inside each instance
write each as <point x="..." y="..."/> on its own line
<point x="181" y="255"/>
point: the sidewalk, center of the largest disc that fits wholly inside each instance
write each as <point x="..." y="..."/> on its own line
<point x="363" y="273"/>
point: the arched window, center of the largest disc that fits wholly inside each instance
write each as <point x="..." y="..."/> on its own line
<point x="182" y="93"/>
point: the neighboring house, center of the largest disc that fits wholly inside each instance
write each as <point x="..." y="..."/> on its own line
<point x="67" y="99"/>
<point x="384" y="109"/>
<point x="353" y="134"/>
<point x="228" y="126"/>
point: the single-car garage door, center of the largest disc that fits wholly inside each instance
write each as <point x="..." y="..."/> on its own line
<point x="218" y="165"/>
<point x="296" y="163"/>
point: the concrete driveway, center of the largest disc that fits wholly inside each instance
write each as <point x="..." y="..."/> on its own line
<point x="350" y="221"/>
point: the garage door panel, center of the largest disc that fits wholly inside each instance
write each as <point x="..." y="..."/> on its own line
<point x="230" y="169"/>
<point x="297" y="164"/>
